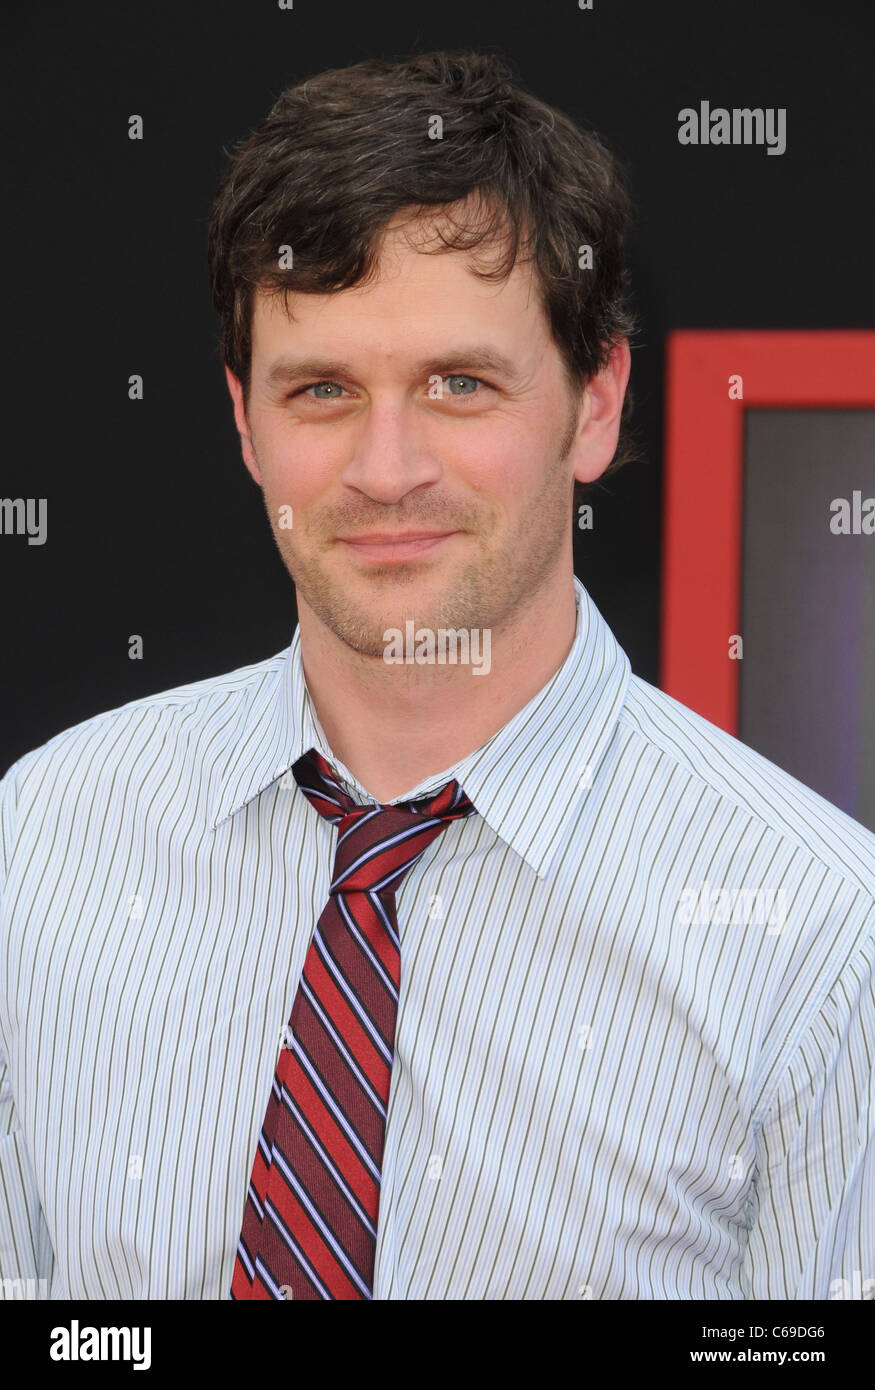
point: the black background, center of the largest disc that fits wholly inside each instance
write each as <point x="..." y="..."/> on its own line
<point x="154" y="525"/>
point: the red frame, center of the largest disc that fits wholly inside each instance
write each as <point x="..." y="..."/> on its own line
<point x="702" y="512"/>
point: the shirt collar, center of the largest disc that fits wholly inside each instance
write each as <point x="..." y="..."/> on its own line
<point x="526" y="781"/>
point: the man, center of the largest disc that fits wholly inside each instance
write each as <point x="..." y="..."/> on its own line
<point x="437" y="956"/>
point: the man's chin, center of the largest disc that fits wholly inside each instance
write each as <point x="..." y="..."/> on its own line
<point x="372" y="628"/>
<point x="360" y="607"/>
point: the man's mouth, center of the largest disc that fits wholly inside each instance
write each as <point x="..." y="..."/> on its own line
<point x="398" y="546"/>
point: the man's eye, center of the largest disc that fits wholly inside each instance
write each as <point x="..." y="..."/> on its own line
<point x="466" y="384"/>
<point x="332" y="386"/>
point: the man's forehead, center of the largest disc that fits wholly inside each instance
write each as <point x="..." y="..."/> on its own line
<point x="424" y="293"/>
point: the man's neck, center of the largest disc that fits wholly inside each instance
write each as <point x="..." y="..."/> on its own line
<point x="395" y="725"/>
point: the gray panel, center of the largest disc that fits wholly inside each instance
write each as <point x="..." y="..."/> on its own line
<point x="807" y="677"/>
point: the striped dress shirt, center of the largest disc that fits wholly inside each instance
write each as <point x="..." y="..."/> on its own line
<point x="634" y="1051"/>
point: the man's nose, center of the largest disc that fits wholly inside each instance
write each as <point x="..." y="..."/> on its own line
<point x="391" y="453"/>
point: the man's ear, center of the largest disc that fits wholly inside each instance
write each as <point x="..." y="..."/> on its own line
<point x="596" y="441"/>
<point x="235" y="386"/>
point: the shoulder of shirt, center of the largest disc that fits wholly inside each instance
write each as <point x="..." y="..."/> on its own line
<point x="752" y="782"/>
<point x="196" y="704"/>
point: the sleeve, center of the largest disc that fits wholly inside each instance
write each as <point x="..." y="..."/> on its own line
<point x="813" y="1226"/>
<point x="26" y="1255"/>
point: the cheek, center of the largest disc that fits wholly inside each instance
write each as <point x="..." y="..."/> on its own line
<point x="494" y="461"/>
<point x="294" y="469"/>
<point x="507" y="475"/>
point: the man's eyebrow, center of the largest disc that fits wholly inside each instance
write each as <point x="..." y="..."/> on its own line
<point x="479" y="358"/>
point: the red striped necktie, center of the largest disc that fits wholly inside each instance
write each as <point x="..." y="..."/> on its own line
<point x="310" y="1218"/>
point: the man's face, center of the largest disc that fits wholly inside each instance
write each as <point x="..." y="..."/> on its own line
<point x="376" y="410"/>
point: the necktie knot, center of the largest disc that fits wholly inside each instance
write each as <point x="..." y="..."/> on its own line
<point x="376" y="845"/>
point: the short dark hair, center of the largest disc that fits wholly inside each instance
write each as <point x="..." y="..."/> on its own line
<point x="343" y="152"/>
